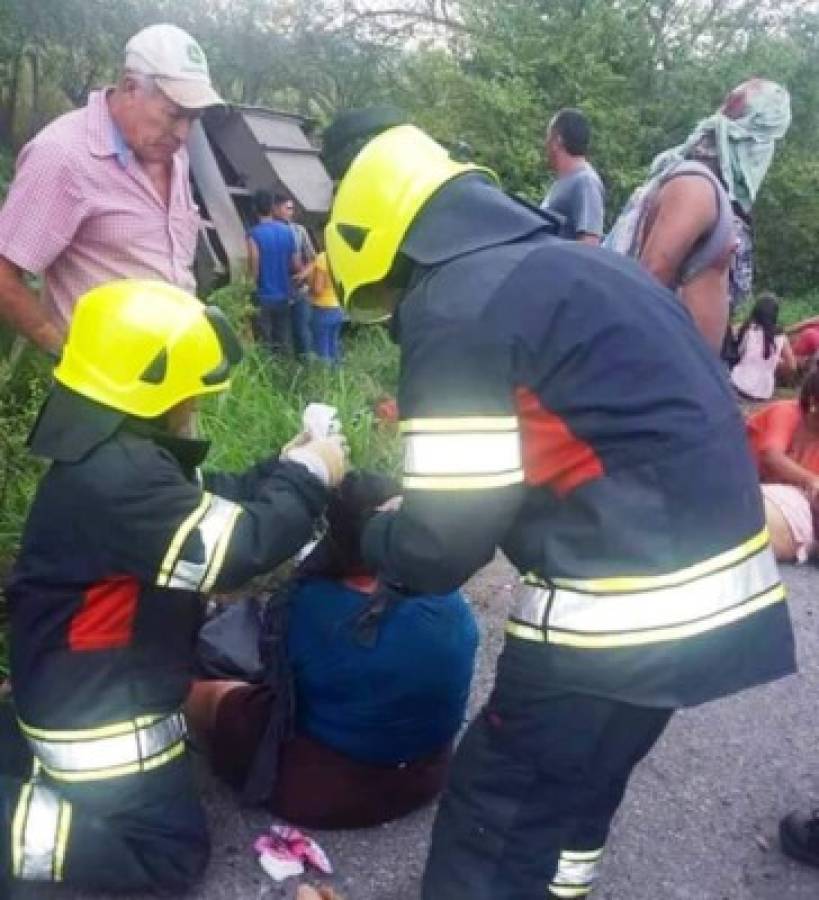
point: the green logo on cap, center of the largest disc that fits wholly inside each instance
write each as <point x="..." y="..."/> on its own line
<point x="195" y="55"/>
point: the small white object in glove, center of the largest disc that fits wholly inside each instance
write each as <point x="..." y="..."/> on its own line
<point x="320" y="420"/>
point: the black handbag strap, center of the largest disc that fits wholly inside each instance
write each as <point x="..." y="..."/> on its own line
<point x="263" y="773"/>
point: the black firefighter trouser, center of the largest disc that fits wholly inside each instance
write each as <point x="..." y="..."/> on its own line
<point x="532" y="791"/>
<point x="140" y="832"/>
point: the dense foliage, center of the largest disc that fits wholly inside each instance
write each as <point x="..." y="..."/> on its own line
<point x="485" y="72"/>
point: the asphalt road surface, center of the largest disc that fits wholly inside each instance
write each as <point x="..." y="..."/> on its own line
<point x="699" y="821"/>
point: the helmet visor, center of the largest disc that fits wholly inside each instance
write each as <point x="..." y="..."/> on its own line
<point x="228" y="341"/>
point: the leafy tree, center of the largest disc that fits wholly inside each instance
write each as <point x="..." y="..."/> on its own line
<point x="486" y="73"/>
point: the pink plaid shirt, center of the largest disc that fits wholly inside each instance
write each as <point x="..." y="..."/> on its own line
<point x="82" y="211"/>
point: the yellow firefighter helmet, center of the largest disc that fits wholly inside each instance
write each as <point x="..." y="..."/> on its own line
<point x="387" y="184"/>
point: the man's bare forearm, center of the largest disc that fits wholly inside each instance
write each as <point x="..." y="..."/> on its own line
<point x="22" y="310"/>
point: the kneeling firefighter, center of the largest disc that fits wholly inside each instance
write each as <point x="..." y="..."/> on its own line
<point x="558" y="403"/>
<point x="122" y="540"/>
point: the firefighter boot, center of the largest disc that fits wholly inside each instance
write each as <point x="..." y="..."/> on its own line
<point x="799" y="837"/>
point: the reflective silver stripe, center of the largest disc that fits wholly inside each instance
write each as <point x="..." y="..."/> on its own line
<point x="101" y="753"/>
<point x="563" y="609"/>
<point x="38" y="829"/>
<point x="214" y="529"/>
<point x="476" y="453"/>
<point x="530" y="602"/>
<point x="576" y="873"/>
<point x="460" y="423"/>
<point x="466" y="453"/>
<point x="179" y="539"/>
<point x="461" y="482"/>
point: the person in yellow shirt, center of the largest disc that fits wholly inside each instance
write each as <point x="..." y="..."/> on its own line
<point x="327" y="314"/>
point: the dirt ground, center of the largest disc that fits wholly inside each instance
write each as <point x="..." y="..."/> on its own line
<point x="699" y="820"/>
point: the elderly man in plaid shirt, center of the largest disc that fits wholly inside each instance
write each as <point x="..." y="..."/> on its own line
<point x="103" y="192"/>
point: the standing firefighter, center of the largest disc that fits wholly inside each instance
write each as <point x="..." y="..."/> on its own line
<point x="558" y="403"/>
<point x="122" y="541"/>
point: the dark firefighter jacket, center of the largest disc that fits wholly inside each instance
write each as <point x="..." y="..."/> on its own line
<point x="558" y="403"/>
<point x="106" y="597"/>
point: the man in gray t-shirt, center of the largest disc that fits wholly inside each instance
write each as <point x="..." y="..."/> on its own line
<point x="578" y="193"/>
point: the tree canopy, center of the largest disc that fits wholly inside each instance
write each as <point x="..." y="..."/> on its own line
<point x="489" y="73"/>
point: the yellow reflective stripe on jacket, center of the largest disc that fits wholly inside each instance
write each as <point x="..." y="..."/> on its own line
<point x="567" y="892"/>
<point x="18" y="827"/>
<point x="577" y="870"/>
<point x="634" y="583"/>
<point x="147" y="743"/>
<point x="467" y="453"/>
<point x="85" y="734"/>
<point x="460" y="423"/>
<point x="582" y="855"/>
<point x="179" y="539"/>
<point x="36" y="834"/>
<point x="651" y="636"/>
<point x="146" y="765"/>
<point x="214" y="520"/>
<point x="63" y="832"/>
<point x="676" y="611"/>
<point x="462" y="483"/>
<point x="475" y="453"/>
<point x="219" y="551"/>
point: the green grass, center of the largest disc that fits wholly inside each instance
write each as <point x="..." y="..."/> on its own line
<point x="262" y="410"/>
<point x="793" y="309"/>
<point x="22" y="389"/>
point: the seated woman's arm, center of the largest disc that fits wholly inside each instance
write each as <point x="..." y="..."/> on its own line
<point x="776" y="467"/>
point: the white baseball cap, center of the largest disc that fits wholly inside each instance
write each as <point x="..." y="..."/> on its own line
<point x="176" y="62"/>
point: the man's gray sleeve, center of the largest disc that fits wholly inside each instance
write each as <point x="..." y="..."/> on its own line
<point x="588" y="206"/>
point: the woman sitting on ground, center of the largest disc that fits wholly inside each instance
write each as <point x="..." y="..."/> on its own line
<point x="380" y="693"/>
<point x="763" y="352"/>
<point x="785" y="440"/>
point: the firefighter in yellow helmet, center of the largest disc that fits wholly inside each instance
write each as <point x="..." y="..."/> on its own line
<point x="123" y="540"/>
<point x="560" y="404"/>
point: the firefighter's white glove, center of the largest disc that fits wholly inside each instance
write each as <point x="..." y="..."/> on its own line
<point x="326" y="458"/>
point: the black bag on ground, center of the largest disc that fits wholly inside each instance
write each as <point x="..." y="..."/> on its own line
<point x="248" y="642"/>
<point x="228" y="645"/>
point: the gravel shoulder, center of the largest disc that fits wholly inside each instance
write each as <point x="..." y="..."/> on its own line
<point x="699" y="820"/>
